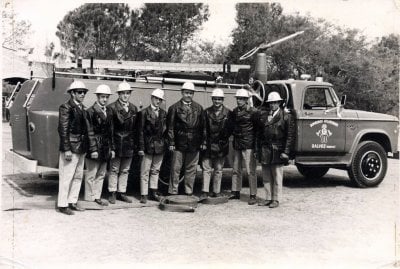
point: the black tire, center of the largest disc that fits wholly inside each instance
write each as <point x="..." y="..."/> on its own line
<point x="312" y="172"/>
<point x="369" y="165"/>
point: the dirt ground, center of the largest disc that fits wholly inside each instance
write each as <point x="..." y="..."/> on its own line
<point x="323" y="223"/>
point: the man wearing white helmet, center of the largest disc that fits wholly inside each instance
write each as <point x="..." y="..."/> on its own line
<point x="75" y="135"/>
<point x="275" y="138"/>
<point x="216" y="141"/>
<point x="100" y="120"/>
<point x="243" y="122"/>
<point x="152" y="127"/>
<point x="124" y="115"/>
<point x="185" y="136"/>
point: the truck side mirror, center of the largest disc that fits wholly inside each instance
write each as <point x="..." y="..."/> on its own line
<point x="343" y="100"/>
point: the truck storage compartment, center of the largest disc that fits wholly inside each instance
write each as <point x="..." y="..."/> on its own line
<point x="44" y="140"/>
<point x="18" y="120"/>
<point x="43" y="121"/>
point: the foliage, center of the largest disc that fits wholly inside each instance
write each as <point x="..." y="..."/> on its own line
<point x="94" y="30"/>
<point x="367" y="73"/>
<point x="7" y="88"/>
<point x="206" y="52"/>
<point x="14" y="30"/>
<point x="166" y="27"/>
<point x="156" y="32"/>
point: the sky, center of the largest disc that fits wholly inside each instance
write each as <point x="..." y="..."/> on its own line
<point x="374" y="18"/>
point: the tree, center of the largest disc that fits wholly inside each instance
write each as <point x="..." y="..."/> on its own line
<point x="199" y="51"/>
<point x="94" y="30"/>
<point x="257" y="23"/>
<point x="166" y="28"/>
<point x="155" y="32"/>
<point x="15" y="31"/>
<point x="367" y="73"/>
<point x="384" y="63"/>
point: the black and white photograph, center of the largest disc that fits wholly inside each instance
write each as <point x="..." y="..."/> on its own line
<point x="214" y="134"/>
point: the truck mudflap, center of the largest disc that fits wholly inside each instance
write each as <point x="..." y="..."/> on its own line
<point x="393" y="155"/>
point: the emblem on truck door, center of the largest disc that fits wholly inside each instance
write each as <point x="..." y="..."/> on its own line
<point x="324" y="133"/>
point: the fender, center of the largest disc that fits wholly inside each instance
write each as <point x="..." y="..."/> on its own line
<point x="363" y="132"/>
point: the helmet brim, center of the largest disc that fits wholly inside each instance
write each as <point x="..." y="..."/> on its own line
<point x="158" y="97"/>
<point x="274" y="101"/>
<point x="75" y="89"/>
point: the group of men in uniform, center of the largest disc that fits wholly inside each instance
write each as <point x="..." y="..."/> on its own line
<point x="105" y="137"/>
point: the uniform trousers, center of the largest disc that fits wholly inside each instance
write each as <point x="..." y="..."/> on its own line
<point x="118" y="178"/>
<point x="208" y="165"/>
<point x="272" y="178"/>
<point x="245" y="156"/>
<point x="70" y="178"/>
<point x="189" y="160"/>
<point x="150" y="168"/>
<point x="94" y="178"/>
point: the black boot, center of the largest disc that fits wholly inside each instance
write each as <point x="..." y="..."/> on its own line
<point x="143" y="199"/>
<point x="101" y="202"/>
<point x="203" y="195"/>
<point x="122" y="196"/>
<point x="235" y="195"/>
<point x="113" y="197"/>
<point x="155" y="195"/>
<point x="66" y="210"/>
<point x="252" y="200"/>
<point x="74" y="206"/>
<point x="274" y="204"/>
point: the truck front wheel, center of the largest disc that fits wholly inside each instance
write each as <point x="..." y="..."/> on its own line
<point x="369" y="165"/>
<point x="312" y="172"/>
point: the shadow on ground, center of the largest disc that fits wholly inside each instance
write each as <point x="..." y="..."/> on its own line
<point x="30" y="184"/>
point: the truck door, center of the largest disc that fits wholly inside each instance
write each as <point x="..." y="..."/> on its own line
<point x="322" y="130"/>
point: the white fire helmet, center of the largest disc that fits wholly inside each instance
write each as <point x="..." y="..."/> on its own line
<point x="77" y="85"/>
<point x="124" y="86"/>
<point x="217" y="93"/>
<point x="158" y="93"/>
<point x="188" y="86"/>
<point x="274" y="97"/>
<point x="103" y="89"/>
<point x="242" y="93"/>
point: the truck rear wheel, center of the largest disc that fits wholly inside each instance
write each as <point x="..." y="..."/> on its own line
<point x="369" y="165"/>
<point x="312" y="172"/>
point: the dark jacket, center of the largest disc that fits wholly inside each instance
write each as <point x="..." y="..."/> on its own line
<point x="274" y="137"/>
<point x="125" y="129"/>
<point x="152" y="131"/>
<point x="243" y="123"/>
<point x="102" y="127"/>
<point x="185" y="127"/>
<point x="74" y="128"/>
<point x="216" y="138"/>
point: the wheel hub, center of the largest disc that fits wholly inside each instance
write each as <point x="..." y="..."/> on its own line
<point x="371" y="165"/>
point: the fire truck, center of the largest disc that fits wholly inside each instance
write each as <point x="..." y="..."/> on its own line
<point x="327" y="134"/>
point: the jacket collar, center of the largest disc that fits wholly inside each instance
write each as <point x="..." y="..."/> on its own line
<point x="151" y="111"/>
<point x="186" y="103"/>
<point x="223" y="112"/>
<point x="98" y="110"/>
<point x="74" y="104"/>
<point x="275" y="118"/>
<point x="121" y="108"/>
